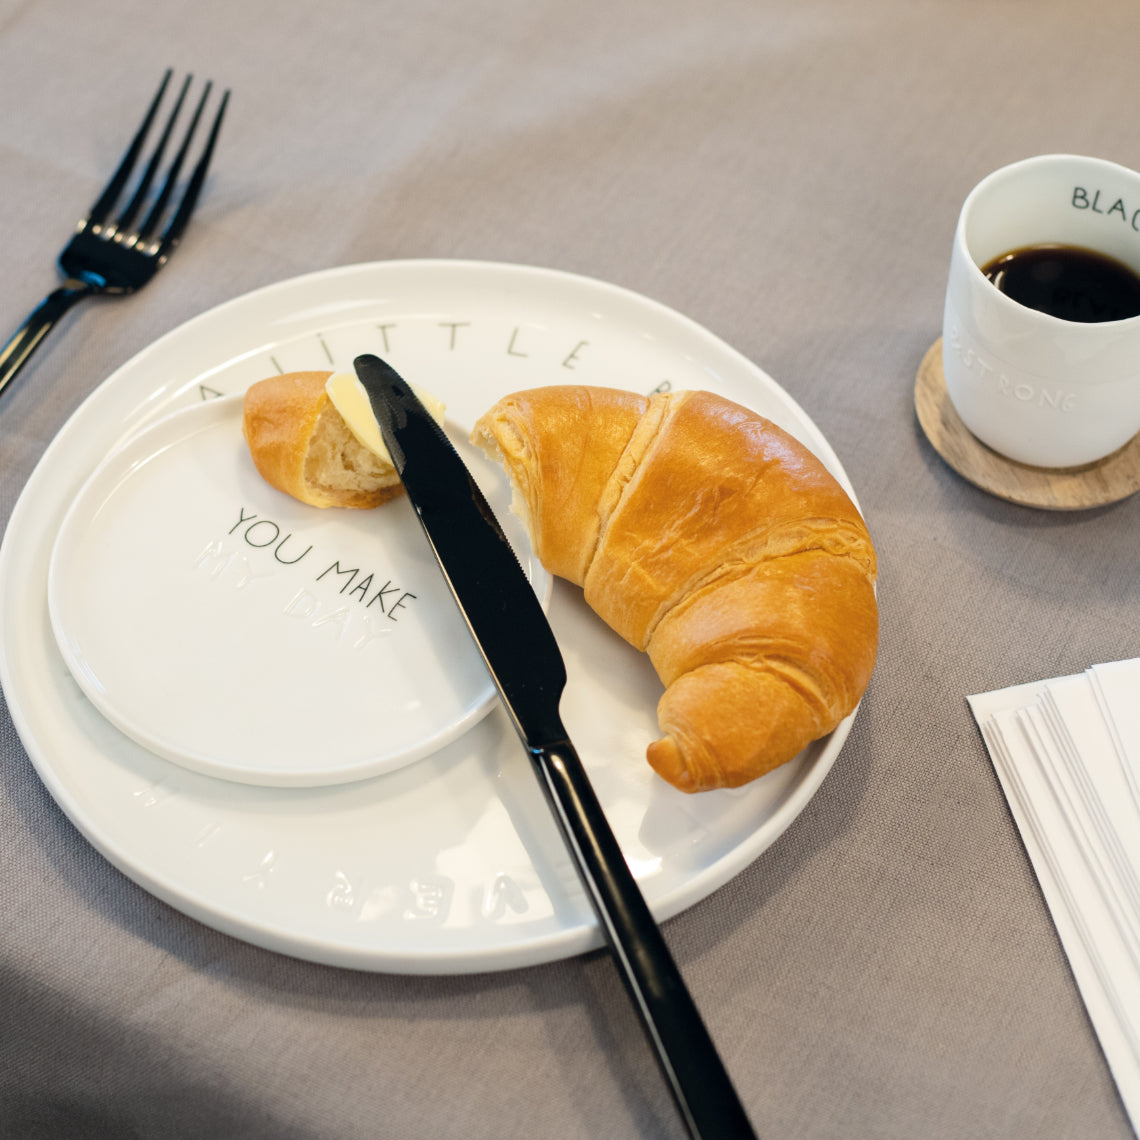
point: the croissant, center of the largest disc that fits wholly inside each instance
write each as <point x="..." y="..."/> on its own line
<point x="301" y="445"/>
<point x="707" y="536"/>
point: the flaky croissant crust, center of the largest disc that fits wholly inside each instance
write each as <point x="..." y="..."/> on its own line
<point x="709" y="537"/>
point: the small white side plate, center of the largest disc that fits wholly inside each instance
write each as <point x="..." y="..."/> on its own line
<point x="237" y="632"/>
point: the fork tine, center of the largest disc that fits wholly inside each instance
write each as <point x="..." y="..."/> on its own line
<point x="159" y="207"/>
<point x="143" y="188"/>
<point x="178" y="223"/>
<point x="98" y="213"/>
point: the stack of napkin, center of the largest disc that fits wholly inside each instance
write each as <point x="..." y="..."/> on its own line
<point x="1067" y="753"/>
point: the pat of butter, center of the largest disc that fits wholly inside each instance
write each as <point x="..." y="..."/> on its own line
<point x="351" y="400"/>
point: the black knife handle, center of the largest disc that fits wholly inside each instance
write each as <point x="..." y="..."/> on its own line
<point x="705" y="1096"/>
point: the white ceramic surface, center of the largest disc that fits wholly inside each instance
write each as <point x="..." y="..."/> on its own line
<point x="451" y="864"/>
<point x="294" y="646"/>
<point x="1036" y="388"/>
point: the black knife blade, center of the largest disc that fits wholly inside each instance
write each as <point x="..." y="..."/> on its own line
<point x="523" y="658"/>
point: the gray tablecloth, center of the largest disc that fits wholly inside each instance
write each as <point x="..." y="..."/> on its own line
<point x="788" y="175"/>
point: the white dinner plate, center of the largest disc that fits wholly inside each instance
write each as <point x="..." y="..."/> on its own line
<point x="298" y="646"/>
<point x="451" y="864"/>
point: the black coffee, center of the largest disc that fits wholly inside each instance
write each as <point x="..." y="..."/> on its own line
<point x="1067" y="281"/>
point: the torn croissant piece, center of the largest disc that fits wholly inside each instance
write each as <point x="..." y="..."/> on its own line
<point x="314" y="436"/>
<point x="707" y="536"/>
<point x="302" y="445"/>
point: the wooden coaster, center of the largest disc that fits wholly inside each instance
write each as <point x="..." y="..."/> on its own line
<point x="1053" y="489"/>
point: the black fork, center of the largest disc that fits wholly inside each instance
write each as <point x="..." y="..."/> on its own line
<point x="113" y="255"/>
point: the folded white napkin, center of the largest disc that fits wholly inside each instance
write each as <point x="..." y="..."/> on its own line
<point x="1067" y="753"/>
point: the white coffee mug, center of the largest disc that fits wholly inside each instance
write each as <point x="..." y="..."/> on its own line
<point x="1037" y="388"/>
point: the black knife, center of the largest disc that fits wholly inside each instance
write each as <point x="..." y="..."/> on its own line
<point x="518" y="646"/>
